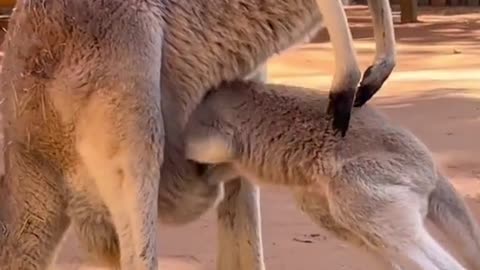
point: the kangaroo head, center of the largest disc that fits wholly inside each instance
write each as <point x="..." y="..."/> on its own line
<point x="208" y="137"/>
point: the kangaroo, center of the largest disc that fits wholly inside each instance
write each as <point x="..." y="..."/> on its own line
<point x="373" y="188"/>
<point x="87" y="87"/>
<point x="228" y="40"/>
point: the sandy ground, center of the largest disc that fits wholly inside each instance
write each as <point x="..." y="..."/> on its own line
<point x="434" y="92"/>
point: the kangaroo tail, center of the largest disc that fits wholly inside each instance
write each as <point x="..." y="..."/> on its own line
<point x="450" y="214"/>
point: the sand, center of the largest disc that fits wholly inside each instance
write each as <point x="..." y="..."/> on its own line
<point x="434" y="92"/>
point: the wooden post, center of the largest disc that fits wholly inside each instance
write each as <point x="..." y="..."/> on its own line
<point x="408" y="11"/>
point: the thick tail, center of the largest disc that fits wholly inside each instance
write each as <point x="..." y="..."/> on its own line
<point x="448" y="211"/>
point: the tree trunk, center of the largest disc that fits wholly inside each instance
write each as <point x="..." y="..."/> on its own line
<point x="408" y="11"/>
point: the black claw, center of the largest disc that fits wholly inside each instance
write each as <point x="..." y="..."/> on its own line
<point x="340" y="107"/>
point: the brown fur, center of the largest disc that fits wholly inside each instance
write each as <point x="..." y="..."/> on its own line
<point x="375" y="186"/>
<point x="83" y="124"/>
<point x="84" y="118"/>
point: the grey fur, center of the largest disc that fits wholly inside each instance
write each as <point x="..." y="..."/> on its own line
<point x="374" y="187"/>
<point x="83" y="110"/>
<point x="84" y="127"/>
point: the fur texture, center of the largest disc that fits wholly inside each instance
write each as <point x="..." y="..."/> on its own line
<point x="374" y="187"/>
<point x="97" y="95"/>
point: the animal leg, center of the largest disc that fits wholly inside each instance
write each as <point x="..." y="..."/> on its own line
<point x="121" y="146"/>
<point x="239" y="228"/>
<point x="384" y="62"/>
<point x="240" y="244"/>
<point x="387" y="217"/>
<point x="448" y="211"/>
<point x="347" y="71"/>
<point x="92" y="221"/>
<point x="434" y="251"/>
<point x="313" y="202"/>
<point x="97" y="234"/>
<point x="33" y="219"/>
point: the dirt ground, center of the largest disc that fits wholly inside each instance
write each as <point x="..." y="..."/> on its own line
<point x="434" y="92"/>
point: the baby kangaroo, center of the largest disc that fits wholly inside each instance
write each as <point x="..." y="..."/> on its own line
<point x="374" y="188"/>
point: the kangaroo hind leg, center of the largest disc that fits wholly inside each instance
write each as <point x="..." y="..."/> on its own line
<point x="387" y="215"/>
<point x="92" y="222"/>
<point x="120" y="140"/>
<point x="314" y="203"/>
<point x="33" y="219"/>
